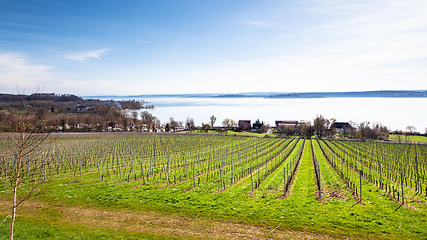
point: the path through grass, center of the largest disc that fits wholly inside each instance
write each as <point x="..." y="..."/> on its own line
<point x="39" y="220"/>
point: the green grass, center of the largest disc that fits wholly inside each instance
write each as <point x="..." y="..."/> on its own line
<point x="29" y="229"/>
<point x="377" y="218"/>
<point x="300" y="212"/>
<point x="304" y="188"/>
<point x="410" y="138"/>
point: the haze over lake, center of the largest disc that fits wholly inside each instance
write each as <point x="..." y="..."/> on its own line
<point x="395" y="113"/>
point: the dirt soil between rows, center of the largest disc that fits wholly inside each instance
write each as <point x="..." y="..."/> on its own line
<point x="152" y="222"/>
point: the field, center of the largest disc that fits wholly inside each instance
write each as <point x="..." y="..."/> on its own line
<point x="411" y="138"/>
<point x="173" y="186"/>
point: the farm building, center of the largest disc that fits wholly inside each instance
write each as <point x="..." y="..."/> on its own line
<point x="341" y="126"/>
<point x="244" y="125"/>
<point x="286" y="126"/>
<point x="286" y="123"/>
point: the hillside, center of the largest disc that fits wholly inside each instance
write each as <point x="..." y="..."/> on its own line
<point x="362" y="94"/>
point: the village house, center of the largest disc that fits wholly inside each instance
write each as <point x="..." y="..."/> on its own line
<point x="286" y="123"/>
<point x="341" y="126"/>
<point x="244" y="125"/>
<point x="285" y="126"/>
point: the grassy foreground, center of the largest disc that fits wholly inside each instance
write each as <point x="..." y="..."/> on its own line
<point x="83" y="207"/>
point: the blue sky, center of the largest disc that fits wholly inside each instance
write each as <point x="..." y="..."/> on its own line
<point x="89" y="47"/>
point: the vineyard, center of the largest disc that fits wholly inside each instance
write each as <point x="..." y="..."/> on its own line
<point x="333" y="187"/>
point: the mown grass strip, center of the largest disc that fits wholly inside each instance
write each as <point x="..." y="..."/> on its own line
<point x="333" y="187"/>
<point x="303" y="189"/>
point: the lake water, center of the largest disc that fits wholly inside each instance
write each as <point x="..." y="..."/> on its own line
<point x="395" y="113"/>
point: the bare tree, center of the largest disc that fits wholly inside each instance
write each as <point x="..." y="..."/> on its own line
<point x="41" y="113"/>
<point x="134" y="116"/>
<point x="173" y="124"/>
<point x="306" y="129"/>
<point x="321" y="126"/>
<point x="213" y="120"/>
<point x="180" y="124"/>
<point x="287" y="130"/>
<point x="228" y="123"/>
<point x="157" y="124"/>
<point x="264" y="128"/>
<point x="148" y="120"/>
<point x="383" y="135"/>
<point x="24" y="160"/>
<point x="189" y="124"/>
<point x="410" y="129"/>
<point x="364" y="130"/>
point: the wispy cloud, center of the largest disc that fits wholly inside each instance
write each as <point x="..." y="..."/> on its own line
<point x="175" y="54"/>
<point x="256" y="23"/>
<point x="84" y="56"/>
<point x="17" y="72"/>
<point x="337" y="46"/>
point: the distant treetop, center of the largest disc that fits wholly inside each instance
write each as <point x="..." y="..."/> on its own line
<point x="41" y="97"/>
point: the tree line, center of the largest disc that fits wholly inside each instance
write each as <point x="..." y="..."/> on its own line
<point x="325" y="128"/>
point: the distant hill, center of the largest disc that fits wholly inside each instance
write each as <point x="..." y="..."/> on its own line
<point x="40" y="97"/>
<point x="372" y="94"/>
<point x="63" y="103"/>
<point x="380" y="94"/>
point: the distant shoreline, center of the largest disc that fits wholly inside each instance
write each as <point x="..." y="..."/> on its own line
<point x="285" y="95"/>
